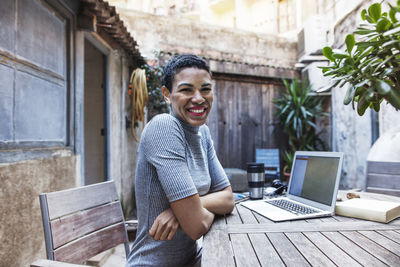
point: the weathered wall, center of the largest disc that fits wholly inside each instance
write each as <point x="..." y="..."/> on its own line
<point x="50" y="162"/>
<point x="175" y="35"/>
<point x="352" y="133"/>
<point x="21" y="230"/>
<point x="122" y="146"/>
<point x="246" y="66"/>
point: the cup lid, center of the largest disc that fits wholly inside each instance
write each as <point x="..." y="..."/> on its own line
<point x="254" y="167"/>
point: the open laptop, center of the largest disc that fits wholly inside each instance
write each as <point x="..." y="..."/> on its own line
<point x="312" y="189"/>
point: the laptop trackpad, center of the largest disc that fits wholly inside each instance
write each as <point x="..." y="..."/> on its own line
<point x="270" y="211"/>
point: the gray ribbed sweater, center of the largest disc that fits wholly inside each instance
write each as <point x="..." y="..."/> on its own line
<point x="175" y="160"/>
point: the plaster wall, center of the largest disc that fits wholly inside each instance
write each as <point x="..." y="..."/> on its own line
<point x="122" y="146"/>
<point x="21" y="229"/>
<point x="352" y="133"/>
<point x="179" y="35"/>
<point x="389" y="118"/>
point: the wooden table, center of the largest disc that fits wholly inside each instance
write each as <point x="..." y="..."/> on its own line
<point x="245" y="238"/>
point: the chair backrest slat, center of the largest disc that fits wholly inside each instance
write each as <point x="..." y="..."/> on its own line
<point x="82" y="222"/>
<point x="69" y="201"/>
<point x="383" y="177"/>
<point x="383" y="167"/>
<point x="68" y="228"/>
<point x="90" y="245"/>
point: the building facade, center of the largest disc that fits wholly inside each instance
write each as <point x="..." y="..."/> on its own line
<point x="64" y="72"/>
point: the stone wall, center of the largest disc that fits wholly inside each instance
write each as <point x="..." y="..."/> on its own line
<point x="178" y="35"/>
<point x="244" y="58"/>
<point x="21" y="229"/>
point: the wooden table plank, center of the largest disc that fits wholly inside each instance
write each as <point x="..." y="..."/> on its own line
<point x="288" y="253"/>
<point x="383" y="241"/>
<point x="243" y="251"/>
<point x="302" y="226"/>
<point x="234" y="218"/>
<point x="313" y="255"/>
<point x="338" y="256"/>
<point x="219" y="223"/>
<point x="262" y="219"/>
<point x="373" y="248"/>
<point x="217" y="250"/>
<point x="245" y="238"/>
<point x="263" y="248"/>
<point x="266" y="253"/>
<point x="312" y="220"/>
<point x="344" y="219"/>
<point x="393" y="235"/>
<point x="246" y="215"/>
<point x="356" y="252"/>
<point x="328" y="219"/>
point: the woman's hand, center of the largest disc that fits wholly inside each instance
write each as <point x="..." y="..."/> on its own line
<point x="165" y="226"/>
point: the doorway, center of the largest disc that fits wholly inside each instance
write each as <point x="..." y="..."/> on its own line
<point x="95" y="170"/>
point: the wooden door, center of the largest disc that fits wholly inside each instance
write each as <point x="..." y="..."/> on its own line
<point x="242" y="118"/>
<point x="95" y="122"/>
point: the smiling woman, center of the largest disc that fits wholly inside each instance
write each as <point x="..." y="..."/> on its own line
<point x="180" y="184"/>
<point x="191" y="95"/>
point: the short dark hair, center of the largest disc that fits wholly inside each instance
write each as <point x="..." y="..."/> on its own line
<point x="180" y="62"/>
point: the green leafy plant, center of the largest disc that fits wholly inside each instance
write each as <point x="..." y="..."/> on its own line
<point x="298" y="109"/>
<point x="371" y="65"/>
<point x="156" y="103"/>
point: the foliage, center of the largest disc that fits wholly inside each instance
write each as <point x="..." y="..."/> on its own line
<point x="371" y="65"/>
<point x="156" y="104"/>
<point x="298" y="109"/>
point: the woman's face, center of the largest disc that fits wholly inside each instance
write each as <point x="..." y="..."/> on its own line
<point x="192" y="95"/>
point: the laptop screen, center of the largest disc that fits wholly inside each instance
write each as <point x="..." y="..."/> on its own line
<point x="314" y="178"/>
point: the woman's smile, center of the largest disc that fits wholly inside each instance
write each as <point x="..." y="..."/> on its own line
<point x="198" y="111"/>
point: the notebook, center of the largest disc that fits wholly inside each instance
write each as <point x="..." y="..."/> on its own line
<point x="312" y="189"/>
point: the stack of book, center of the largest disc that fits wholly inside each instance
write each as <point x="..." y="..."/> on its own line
<point x="369" y="209"/>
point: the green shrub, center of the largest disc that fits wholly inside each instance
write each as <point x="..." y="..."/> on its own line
<point x="371" y="65"/>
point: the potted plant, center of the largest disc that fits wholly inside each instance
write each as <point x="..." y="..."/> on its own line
<point x="371" y="65"/>
<point x="298" y="109"/>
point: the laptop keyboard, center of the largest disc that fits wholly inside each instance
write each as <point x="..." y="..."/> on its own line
<point x="292" y="207"/>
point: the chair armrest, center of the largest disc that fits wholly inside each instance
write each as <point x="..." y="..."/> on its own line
<point x="50" y="263"/>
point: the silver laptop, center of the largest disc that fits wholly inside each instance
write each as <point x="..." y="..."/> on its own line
<point x="312" y="189"/>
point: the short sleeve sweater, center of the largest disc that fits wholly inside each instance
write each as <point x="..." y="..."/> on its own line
<point x="175" y="160"/>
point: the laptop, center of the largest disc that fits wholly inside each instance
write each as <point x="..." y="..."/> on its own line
<point x="312" y="189"/>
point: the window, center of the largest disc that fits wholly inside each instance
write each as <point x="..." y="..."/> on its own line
<point x="34" y="76"/>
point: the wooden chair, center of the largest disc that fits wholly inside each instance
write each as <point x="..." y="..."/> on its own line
<point x="270" y="158"/>
<point x="383" y="177"/>
<point x="82" y="222"/>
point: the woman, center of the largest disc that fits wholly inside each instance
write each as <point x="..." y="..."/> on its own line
<point x="180" y="184"/>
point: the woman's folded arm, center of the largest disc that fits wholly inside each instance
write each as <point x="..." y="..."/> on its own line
<point x="194" y="219"/>
<point x="220" y="202"/>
